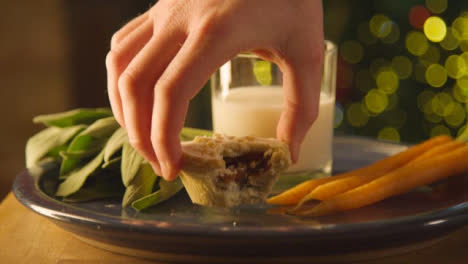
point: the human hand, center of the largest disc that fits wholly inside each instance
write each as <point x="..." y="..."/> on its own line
<point x="161" y="59"/>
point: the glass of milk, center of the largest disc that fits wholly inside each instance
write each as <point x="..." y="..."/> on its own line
<point x="247" y="99"/>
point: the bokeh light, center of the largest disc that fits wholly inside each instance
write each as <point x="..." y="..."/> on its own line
<point x="436" y="75"/>
<point x="389" y="134"/>
<point x="355" y="116"/>
<point x="435" y="29"/>
<point x="442" y="104"/>
<point x="379" y="65"/>
<point x="461" y="130"/>
<point x="351" y="51"/>
<point x="456" y="117"/>
<point x="460" y="28"/>
<point x="416" y="43"/>
<point x="393" y="36"/>
<point x="459" y="94"/>
<point x="463" y="83"/>
<point x="423" y="99"/>
<point x="402" y="66"/>
<point x="450" y="42"/>
<point x="464" y="45"/>
<point x="455" y="66"/>
<point x="376" y="101"/>
<point x="436" y="6"/>
<point x="380" y="25"/>
<point x="440" y="130"/>
<point x="431" y="56"/>
<point x="364" y="35"/>
<point x="387" y="81"/>
<point x="417" y="16"/>
<point x="262" y="72"/>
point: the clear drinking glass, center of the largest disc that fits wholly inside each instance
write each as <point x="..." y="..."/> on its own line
<point x="247" y="99"/>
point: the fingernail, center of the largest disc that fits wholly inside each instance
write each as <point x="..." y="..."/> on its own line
<point x="156" y="168"/>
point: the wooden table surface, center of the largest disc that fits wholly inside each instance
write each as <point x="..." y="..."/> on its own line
<point x="26" y="237"/>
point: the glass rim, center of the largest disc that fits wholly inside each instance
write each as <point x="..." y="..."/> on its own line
<point x="330" y="47"/>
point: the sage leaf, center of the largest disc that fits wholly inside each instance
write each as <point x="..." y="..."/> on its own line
<point x="77" y="178"/>
<point x="79" y="154"/>
<point x="79" y="116"/>
<point x="48" y="140"/>
<point x="113" y="164"/>
<point x="115" y="143"/>
<point x="131" y="162"/>
<point x="101" y="186"/>
<point x="141" y="185"/>
<point x="189" y="133"/>
<point x="92" y="138"/>
<point x="167" y="189"/>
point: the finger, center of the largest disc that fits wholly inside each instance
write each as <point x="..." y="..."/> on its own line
<point x="198" y="58"/>
<point x="119" y="58"/>
<point x="127" y="29"/>
<point x="301" y="84"/>
<point x="136" y="88"/>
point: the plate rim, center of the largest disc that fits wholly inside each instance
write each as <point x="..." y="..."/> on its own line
<point x="27" y="191"/>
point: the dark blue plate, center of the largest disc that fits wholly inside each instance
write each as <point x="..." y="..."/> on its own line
<point x="178" y="230"/>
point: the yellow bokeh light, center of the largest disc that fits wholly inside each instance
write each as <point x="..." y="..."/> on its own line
<point x="394" y="35"/>
<point x="422" y="100"/>
<point x="262" y="71"/>
<point x="460" y="28"/>
<point x="351" y="51"/>
<point x="442" y="104"/>
<point x="464" y="56"/>
<point x="364" y="35"/>
<point x="416" y="43"/>
<point x="389" y="134"/>
<point x="464" y="45"/>
<point x="459" y="94"/>
<point x="440" y="130"/>
<point x="436" y="6"/>
<point x="376" y="101"/>
<point x="435" y="29"/>
<point x="436" y="75"/>
<point x="433" y="118"/>
<point x="456" y="117"/>
<point x="450" y="42"/>
<point x="419" y="72"/>
<point x="455" y="66"/>
<point x="380" y="26"/>
<point x="355" y="116"/>
<point x="387" y="81"/>
<point x="378" y="65"/>
<point x="463" y="83"/>
<point x="431" y="56"/>
<point x="364" y="81"/>
<point x="402" y="66"/>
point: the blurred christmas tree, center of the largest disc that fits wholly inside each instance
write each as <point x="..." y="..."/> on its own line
<point x="403" y="67"/>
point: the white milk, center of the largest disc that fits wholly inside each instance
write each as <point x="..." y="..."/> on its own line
<point x="256" y="111"/>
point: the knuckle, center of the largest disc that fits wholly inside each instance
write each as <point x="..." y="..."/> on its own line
<point x="114" y="60"/>
<point x="128" y="84"/>
<point x="136" y="143"/>
<point x="115" y="40"/>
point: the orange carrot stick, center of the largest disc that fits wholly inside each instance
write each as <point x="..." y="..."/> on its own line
<point x="328" y="190"/>
<point x="297" y="193"/>
<point x="396" y="182"/>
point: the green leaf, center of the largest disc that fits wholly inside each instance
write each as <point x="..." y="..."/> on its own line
<point x="189" y="133"/>
<point x="141" y="185"/>
<point x="91" y="139"/>
<point x="80" y="154"/>
<point x="77" y="178"/>
<point x="115" y="143"/>
<point x="131" y="162"/>
<point x="48" y="140"/>
<point x="167" y="189"/>
<point x="112" y="164"/>
<point x="80" y="116"/>
<point x="102" y="186"/>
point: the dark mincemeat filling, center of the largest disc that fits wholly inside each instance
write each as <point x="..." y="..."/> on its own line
<point x="243" y="167"/>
